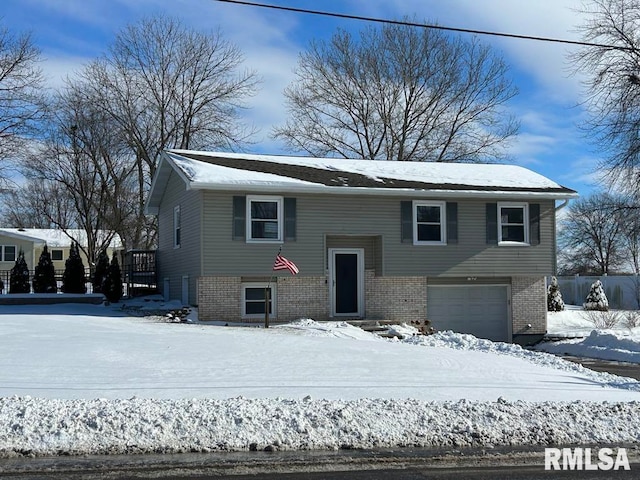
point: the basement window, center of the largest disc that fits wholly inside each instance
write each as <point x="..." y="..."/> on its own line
<point x="253" y="300"/>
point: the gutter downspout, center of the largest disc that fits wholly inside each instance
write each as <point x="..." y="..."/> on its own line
<point x="555" y="240"/>
<point x="563" y="204"/>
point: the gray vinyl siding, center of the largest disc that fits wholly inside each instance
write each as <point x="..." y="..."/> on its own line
<point x="368" y="244"/>
<point x="174" y="263"/>
<point x="331" y="217"/>
<point x="224" y="256"/>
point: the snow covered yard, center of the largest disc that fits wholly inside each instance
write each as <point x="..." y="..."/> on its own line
<point x="619" y="343"/>
<point x="85" y="379"/>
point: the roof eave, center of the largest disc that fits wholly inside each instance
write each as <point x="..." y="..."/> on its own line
<point x="159" y="182"/>
<point x="23" y="237"/>
<point x="439" y="193"/>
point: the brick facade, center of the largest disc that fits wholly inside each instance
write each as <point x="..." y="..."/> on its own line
<point x="386" y="298"/>
<point x="528" y="305"/>
<point x="219" y="298"/>
<point x="395" y="298"/>
<point x="303" y="297"/>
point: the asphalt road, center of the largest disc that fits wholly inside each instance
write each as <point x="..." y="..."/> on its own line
<point x="486" y="473"/>
<point x="631" y="370"/>
<point x="392" y="464"/>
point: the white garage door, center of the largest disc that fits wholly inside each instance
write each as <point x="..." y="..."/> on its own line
<point x="482" y="311"/>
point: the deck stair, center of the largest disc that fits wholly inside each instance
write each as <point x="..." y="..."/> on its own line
<point x="380" y="327"/>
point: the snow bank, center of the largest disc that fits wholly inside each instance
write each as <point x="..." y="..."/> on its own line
<point x="307" y="326"/>
<point x="371" y="392"/>
<point x="605" y="345"/>
<point x="618" y="343"/>
<point x="459" y="341"/>
<point x="34" y="427"/>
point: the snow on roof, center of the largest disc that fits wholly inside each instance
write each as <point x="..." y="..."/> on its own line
<point x="55" y="237"/>
<point x="203" y="169"/>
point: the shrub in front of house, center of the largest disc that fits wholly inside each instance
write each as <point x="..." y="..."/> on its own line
<point x="100" y="273"/>
<point x="44" y="277"/>
<point x="554" y="297"/>
<point x="112" y="288"/>
<point x="73" y="280"/>
<point x="19" y="277"/>
<point x="597" y="299"/>
<point x="604" y="319"/>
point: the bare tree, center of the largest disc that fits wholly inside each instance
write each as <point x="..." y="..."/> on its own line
<point x="613" y="84"/>
<point x="630" y="244"/>
<point x="21" y="100"/>
<point x="399" y="93"/>
<point x="630" y="235"/>
<point x="590" y="237"/>
<point x="167" y="86"/>
<point x="38" y="204"/>
<point x="90" y="166"/>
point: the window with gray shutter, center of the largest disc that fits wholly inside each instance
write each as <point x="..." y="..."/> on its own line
<point x="534" y="224"/>
<point x="406" y="221"/>
<point x="239" y="217"/>
<point x="452" y="222"/>
<point x="492" y="223"/>
<point x="289" y="219"/>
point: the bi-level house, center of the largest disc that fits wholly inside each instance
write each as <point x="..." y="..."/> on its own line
<point x="466" y="246"/>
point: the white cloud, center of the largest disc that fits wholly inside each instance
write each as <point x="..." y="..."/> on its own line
<point x="586" y="169"/>
<point x="545" y="63"/>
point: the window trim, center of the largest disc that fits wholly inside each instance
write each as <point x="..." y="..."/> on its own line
<point x="3" y="253"/>
<point x="443" y="221"/>
<point x="262" y="285"/>
<point x="525" y="223"/>
<point x="280" y="218"/>
<point x="177" y="227"/>
<point x="61" y="254"/>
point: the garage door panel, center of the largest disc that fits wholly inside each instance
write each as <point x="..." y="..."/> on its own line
<point x="479" y="310"/>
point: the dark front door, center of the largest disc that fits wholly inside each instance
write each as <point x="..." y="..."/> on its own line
<point x="347" y="282"/>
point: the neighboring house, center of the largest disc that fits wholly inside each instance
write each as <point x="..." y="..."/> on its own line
<point x="466" y="246"/>
<point x="33" y="240"/>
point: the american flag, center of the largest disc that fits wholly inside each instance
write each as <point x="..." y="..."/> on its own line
<point x="282" y="263"/>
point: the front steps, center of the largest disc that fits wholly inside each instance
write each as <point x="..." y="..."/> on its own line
<point x="381" y="327"/>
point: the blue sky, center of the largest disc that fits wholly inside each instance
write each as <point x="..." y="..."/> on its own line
<point x="72" y="32"/>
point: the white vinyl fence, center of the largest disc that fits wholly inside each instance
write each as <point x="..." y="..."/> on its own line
<point x="623" y="291"/>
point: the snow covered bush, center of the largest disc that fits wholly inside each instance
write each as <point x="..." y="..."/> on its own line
<point x="19" y="277"/>
<point x="73" y="280"/>
<point x="554" y="297"/>
<point x="44" y="277"/>
<point x="632" y="319"/>
<point x="100" y="273"/>
<point x="112" y="287"/>
<point x="604" y="319"/>
<point x="597" y="300"/>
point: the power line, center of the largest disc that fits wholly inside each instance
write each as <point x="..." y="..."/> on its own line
<point x="425" y="25"/>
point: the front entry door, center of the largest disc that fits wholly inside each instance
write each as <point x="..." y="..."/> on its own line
<point x="347" y="281"/>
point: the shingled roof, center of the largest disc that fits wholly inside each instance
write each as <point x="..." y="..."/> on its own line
<point x="248" y="172"/>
